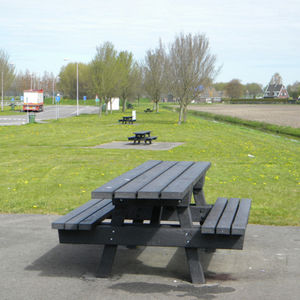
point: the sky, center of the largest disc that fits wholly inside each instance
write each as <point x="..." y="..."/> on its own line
<point x="252" y="39"/>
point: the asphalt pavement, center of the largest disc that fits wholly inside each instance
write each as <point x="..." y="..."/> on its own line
<point x="50" y="112"/>
<point x="35" y="266"/>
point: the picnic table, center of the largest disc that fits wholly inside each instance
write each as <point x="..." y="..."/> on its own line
<point x="148" y="110"/>
<point x="150" y="205"/>
<point x="142" y="136"/>
<point x="127" y="120"/>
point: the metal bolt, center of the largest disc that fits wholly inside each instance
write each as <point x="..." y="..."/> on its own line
<point x="113" y="231"/>
<point x="187" y="242"/>
<point x="111" y="239"/>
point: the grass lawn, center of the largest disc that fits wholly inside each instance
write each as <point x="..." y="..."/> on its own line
<point x="46" y="168"/>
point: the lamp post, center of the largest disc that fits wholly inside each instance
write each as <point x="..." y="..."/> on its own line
<point x="77" y="88"/>
<point x="2" y="92"/>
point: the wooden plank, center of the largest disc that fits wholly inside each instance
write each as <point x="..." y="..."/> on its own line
<point x="153" y="189"/>
<point x="211" y="221"/>
<point x="185" y="182"/>
<point x="225" y="222"/>
<point x="130" y="189"/>
<point x="96" y="217"/>
<point x="60" y="222"/>
<point x="72" y="224"/>
<point x="106" y="191"/>
<point x="241" y="219"/>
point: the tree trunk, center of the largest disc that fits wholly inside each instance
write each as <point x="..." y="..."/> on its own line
<point x="100" y="108"/>
<point x="157" y="106"/>
<point x="110" y="105"/>
<point x="184" y="113"/>
<point x="180" y="114"/>
<point x="124" y="105"/>
<point x="106" y="108"/>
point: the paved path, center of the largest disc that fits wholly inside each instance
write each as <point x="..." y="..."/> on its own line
<point x="50" y="112"/>
<point x="283" y="115"/>
<point x="35" y="266"/>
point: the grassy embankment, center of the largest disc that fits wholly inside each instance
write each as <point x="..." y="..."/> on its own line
<point x="49" y="168"/>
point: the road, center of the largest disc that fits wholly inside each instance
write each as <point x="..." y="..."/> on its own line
<point x="49" y="112"/>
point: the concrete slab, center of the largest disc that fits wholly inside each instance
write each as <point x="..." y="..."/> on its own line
<point x="35" y="266"/>
<point x="142" y="146"/>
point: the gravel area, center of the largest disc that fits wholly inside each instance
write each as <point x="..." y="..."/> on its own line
<point x="283" y="115"/>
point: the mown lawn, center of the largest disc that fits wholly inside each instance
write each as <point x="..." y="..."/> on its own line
<point x="49" y="169"/>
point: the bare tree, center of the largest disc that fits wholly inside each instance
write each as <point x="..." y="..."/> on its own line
<point x="125" y="67"/>
<point x="7" y="72"/>
<point x="154" y="72"/>
<point x="190" y="64"/>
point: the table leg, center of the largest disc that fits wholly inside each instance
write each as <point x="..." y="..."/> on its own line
<point x="192" y="256"/>
<point x="156" y="215"/>
<point x="107" y="260"/>
<point x="109" y="251"/>
<point x="199" y="193"/>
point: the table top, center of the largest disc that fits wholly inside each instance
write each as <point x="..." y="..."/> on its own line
<point x="142" y="132"/>
<point x="155" y="181"/>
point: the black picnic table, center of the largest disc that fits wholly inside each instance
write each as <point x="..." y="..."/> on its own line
<point x="144" y="135"/>
<point x="126" y="119"/>
<point x="151" y="205"/>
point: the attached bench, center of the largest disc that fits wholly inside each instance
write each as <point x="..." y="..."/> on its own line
<point x="149" y="139"/>
<point x="85" y="217"/>
<point x="227" y="217"/>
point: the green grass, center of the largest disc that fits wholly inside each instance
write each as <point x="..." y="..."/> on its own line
<point x="46" y="168"/>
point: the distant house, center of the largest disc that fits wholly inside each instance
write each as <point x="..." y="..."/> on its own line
<point x="276" y="91"/>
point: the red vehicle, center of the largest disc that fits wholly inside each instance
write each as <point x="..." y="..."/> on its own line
<point x="33" y="100"/>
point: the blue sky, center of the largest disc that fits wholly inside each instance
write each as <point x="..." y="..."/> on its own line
<point x="252" y="39"/>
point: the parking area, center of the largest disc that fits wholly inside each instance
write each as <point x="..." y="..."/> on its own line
<point x="50" y="112"/>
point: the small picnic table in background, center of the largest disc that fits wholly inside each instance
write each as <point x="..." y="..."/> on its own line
<point x="142" y="136"/>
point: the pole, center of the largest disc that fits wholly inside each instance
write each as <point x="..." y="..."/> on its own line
<point x="53" y="91"/>
<point x="77" y="93"/>
<point x="2" y="93"/>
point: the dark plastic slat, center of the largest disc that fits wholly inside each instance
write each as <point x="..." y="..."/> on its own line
<point x="60" y="222"/>
<point x="129" y="191"/>
<point x="95" y="218"/>
<point x="153" y="189"/>
<point x="106" y="191"/>
<point x="241" y="219"/>
<point x="185" y="182"/>
<point x="225" y="222"/>
<point x="211" y="221"/>
<point x="72" y="224"/>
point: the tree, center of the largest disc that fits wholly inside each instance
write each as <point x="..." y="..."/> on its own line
<point x="7" y="72"/>
<point x="125" y="68"/>
<point x="105" y="73"/>
<point x="294" y="90"/>
<point x="154" y="70"/>
<point x="234" y="88"/>
<point x="254" y="89"/>
<point x="68" y="80"/>
<point x="190" y="64"/>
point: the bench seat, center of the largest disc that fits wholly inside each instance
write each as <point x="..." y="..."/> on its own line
<point x="150" y="139"/>
<point x="85" y="217"/>
<point x="227" y="217"/>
